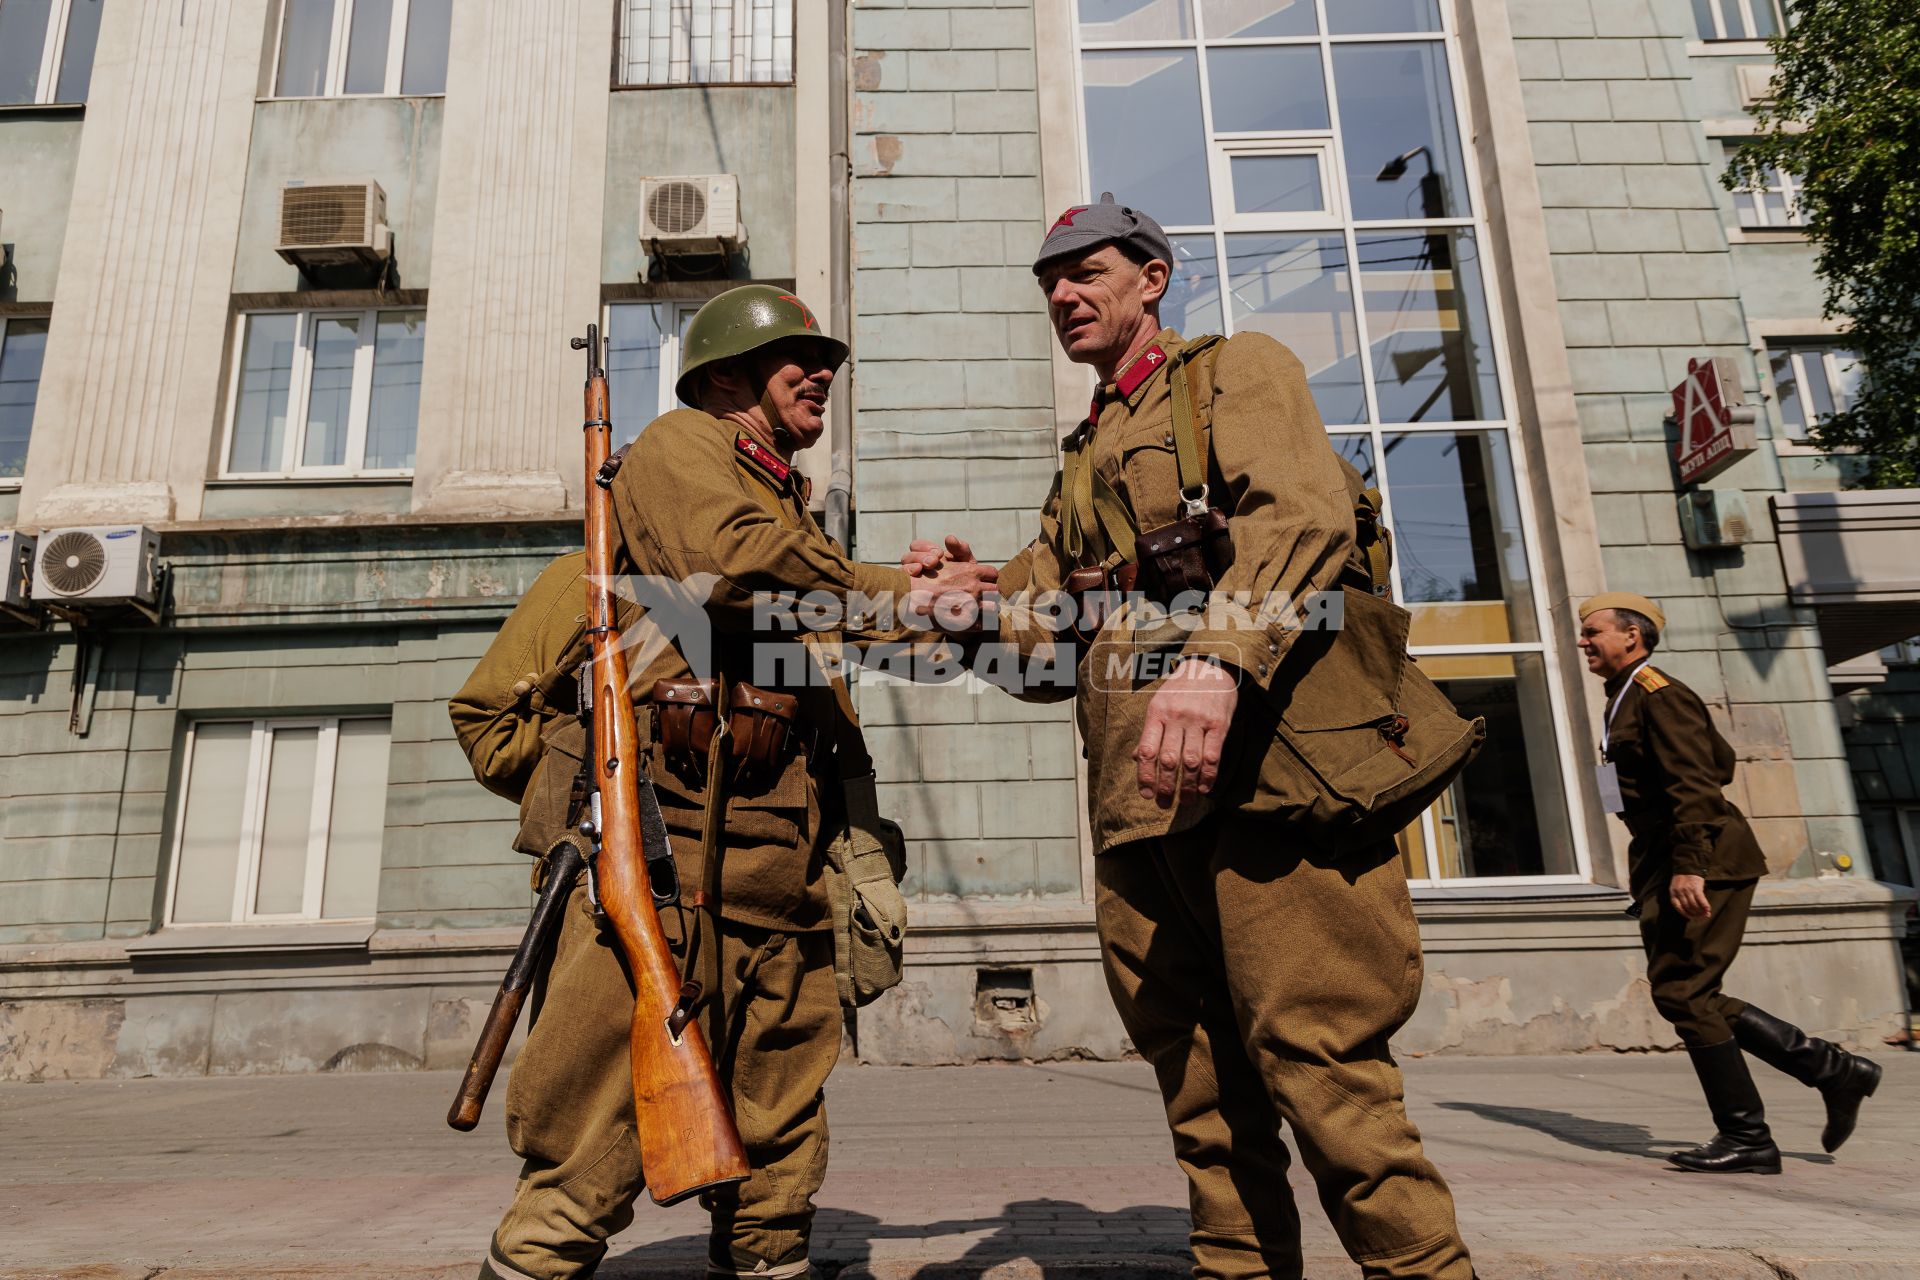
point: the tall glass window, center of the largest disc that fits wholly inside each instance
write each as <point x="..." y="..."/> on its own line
<point x="1308" y="162"/>
<point x="705" y="42"/>
<point x="643" y="361"/>
<point x="338" y="48"/>
<point x="23" y="351"/>
<point x="46" y="50"/>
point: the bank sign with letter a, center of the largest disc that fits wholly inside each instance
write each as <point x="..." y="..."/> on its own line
<point x="1715" y="420"/>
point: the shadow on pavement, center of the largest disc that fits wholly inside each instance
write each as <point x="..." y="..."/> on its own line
<point x="1053" y="1239"/>
<point x="1599" y="1135"/>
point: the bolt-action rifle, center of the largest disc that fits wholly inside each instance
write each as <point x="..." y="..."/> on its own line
<point x="685" y="1127"/>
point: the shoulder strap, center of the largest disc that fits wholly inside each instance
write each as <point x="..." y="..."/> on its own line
<point x="1189" y="456"/>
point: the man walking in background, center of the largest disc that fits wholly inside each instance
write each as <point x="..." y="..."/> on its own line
<point x="1693" y="865"/>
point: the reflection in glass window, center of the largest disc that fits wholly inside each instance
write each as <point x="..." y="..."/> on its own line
<point x="1136" y="19"/>
<point x="1382" y="17"/>
<point x="643" y="362"/>
<point x="1737" y="19"/>
<point x="46" y="50"/>
<point x="1298" y="289"/>
<point x="23" y="352"/>
<point x="1774" y="201"/>
<point x="1248" y="19"/>
<point x="335" y="48"/>
<point x="1144" y="136"/>
<point x="1357" y="449"/>
<point x="349" y="381"/>
<point x="1398" y="131"/>
<point x="1277" y="184"/>
<point x="1267" y="88"/>
<point x="1812" y="382"/>
<point x="1427" y="320"/>
<point x="1506" y="814"/>
<point x="1458" y="545"/>
<point x="1192" y="301"/>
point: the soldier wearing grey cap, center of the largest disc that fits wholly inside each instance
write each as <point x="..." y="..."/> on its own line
<point x="1262" y="975"/>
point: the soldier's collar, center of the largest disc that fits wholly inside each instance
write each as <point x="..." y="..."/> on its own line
<point x="769" y="466"/>
<point x="1131" y="381"/>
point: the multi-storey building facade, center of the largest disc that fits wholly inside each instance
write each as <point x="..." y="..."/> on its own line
<point x="241" y="837"/>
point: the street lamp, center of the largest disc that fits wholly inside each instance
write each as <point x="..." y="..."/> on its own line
<point x="1432" y="199"/>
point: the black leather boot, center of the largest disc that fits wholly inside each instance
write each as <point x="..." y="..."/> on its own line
<point x="1845" y="1080"/>
<point x="1743" y="1144"/>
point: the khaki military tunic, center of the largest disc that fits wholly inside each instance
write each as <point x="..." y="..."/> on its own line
<point x="1272" y="467"/>
<point x="1673" y="765"/>
<point x="694" y="500"/>
<point x="1261" y="979"/>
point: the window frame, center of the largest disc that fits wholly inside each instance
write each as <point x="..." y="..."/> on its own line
<point x="246" y="881"/>
<point x="299" y="396"/>
<point x="10" y="483"/>
<point x="1798" y="350"/>
<point x="53" y="48"/>
<point x="1341" y="222"/>
<point x="621" y="62"/>
<point x="1718" y="9"/>
<point x="675" y="312"/>
<point x="1746" y="201"/>
<point x="337" y="42"/>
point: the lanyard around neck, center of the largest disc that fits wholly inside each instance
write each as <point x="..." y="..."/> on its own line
<point x="1606" y="733"/>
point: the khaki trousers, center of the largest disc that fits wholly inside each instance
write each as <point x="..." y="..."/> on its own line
<point x="1687" y="960"/>
<point x="570" y="1098"/>
<point x="1262" y="985"/>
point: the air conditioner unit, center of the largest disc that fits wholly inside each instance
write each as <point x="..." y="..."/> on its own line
<point x="104" y="565"/>
<point x="334" y="224"/>
<point x="16" y="561"/>
<point x="698" y="214"/>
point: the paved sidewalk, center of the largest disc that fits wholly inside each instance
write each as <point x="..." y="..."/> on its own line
<point x="1056" y="1170"/>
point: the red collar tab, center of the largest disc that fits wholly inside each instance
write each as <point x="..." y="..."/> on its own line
<point x="761" y="456"/>
<point x="1139" y="369"/>
<point x="1066" y="219"/>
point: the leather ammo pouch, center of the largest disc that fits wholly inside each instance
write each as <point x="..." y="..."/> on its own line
<point x="1363" y="741"/>
<point x="1187" y="556"/>
<point x="685" y="714"/>
<point x="763" y="729"/>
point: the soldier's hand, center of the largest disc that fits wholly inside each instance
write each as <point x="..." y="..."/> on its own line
<point x="1689" y="895"/>
<point x="922" y="559"/>
<point x="953" y="593"/>
<point x="1187" y="720"/>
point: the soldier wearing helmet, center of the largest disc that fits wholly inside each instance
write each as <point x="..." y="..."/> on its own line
<point x="706" y="497"/>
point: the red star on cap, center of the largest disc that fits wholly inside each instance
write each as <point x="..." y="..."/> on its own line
<point x="1066" y="219"/>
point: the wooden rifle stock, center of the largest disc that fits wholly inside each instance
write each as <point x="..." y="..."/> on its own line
<point x="563" y="868"/>
<point x="684" y="1122"/>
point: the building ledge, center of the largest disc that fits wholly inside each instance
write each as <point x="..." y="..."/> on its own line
<point x="1849" y="555"/>
<point x="255" y="939"/>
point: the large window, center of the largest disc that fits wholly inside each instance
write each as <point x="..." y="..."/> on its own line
<point x="340" y="48"/>
<point x="643" y="361"/>
<point x="46" y="50"/>
<point x="1737" y="19"/>
<point x="705" y="42"/>
<point x="23" y="349"/>
<point x="325" y="393"/>
<point x="1812" y="381"/>
<point x="279" y="821"/>
<point x="1307" y="161"/>
<point x="1773" y="201"/>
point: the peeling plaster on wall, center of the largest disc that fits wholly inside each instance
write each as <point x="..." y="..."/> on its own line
<point x="905" y="1019"/>
<point x="1480" y="1013"/>
<point x="59" y="1039"/>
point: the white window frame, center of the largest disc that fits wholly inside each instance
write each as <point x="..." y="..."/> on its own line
<point x="1752" y="212"/>
<point x="336" y="78"/>
<point x="1225" y="148"/>
<point x="50" y="54"/>
<point x="680" y="55"/>
<point x="1803" y="354"/>
<point x="674" y="314"/>
<point x="1569" y="756"/>
<point x="299" y="391"/>
<point x="1749" y="29"/>
<point x="253" y="808"/>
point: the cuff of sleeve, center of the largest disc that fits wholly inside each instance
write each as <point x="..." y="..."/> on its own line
<point x="885" y="588"/>
<point x="1691" y="860"/>
<point x="1255" y="651"/>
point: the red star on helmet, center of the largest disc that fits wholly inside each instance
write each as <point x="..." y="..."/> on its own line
<point x="1066" y="219"/>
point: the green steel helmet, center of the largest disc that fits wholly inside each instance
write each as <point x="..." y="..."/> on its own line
<point x="742" y="320"/>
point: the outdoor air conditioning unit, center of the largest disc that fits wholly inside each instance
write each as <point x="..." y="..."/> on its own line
<point x="104" y="565"/>
<point x="16" y="561"/>
<point x="334" y="224"/>
<point x="698" y="214"/>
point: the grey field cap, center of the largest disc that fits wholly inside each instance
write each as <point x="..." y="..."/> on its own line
<point x="1086" y="227"/>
